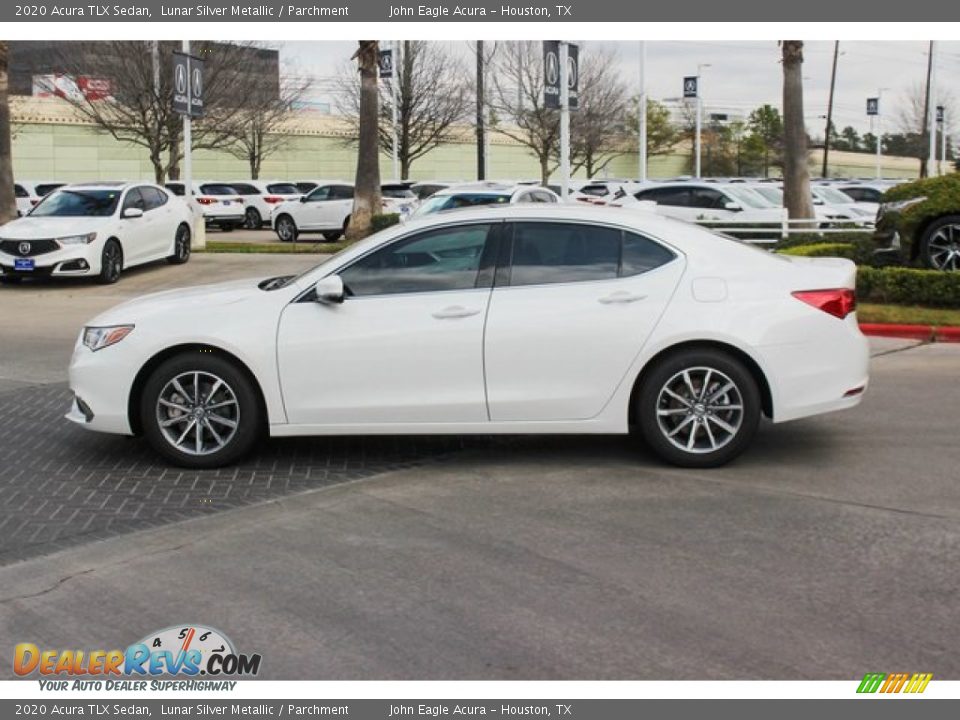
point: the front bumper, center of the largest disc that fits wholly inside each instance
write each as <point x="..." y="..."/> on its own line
<point x="101" y="383"/>
<point x="76" y="261"/>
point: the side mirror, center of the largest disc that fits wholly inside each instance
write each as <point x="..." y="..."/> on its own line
<point x="732" y="206"/>
<point x="303" y="198"/>
<point x="329" y="290"/>
<point x="132" y="212"/>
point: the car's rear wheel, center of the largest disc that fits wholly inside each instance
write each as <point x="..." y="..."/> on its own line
<point x="286" y="229"/>
<point x="181" y="246"/>
<point x="698" y="408"/>
<point x="199" y="410"/>
<point x="111" y="263"/>
<point x="940" y="245"/>
<point x="252" y="219"/>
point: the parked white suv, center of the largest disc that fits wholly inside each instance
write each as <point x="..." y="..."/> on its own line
<point x="98" y="230"/>
<point x="262" y="197"/>
<point x="218" y="203"/>
<point x="326" y="209"/>
<point x="29" y="193"/>
<point x="485" y="193"/>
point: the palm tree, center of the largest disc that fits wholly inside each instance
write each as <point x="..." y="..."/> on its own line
<point x="796" y="174"/>
<point x="366" y="196"/>
<point x="8" y="203"/>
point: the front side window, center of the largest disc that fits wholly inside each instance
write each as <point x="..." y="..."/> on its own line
<point x="545" y="253"/>
<point x="707" y="198"/>
<point x="134" y="199"/>
<point x="434" y="261"/>
<point x="320" y="194"/>
<point x="672" y="196"/>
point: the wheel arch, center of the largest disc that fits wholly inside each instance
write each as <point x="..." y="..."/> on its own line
<point x="140" y="381"/>
<point x="766" y="396"/>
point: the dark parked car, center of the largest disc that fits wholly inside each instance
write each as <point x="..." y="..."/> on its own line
<point x="919" y="223"/>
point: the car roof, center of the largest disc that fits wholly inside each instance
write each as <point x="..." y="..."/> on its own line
<point x="104" y="185"/>
<point x="486" y="187"/>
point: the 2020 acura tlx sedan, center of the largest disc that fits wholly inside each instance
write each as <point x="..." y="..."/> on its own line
<point x="507" y="319"/>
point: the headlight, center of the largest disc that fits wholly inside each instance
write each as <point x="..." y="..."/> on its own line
<point x="97" y="338"/>
<point x="901" y="205"/>
<point x="78" y="239"/>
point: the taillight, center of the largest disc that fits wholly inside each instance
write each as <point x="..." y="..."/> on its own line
<point x="205" y="201"/>
<point x="273" y="199"/>
<point x="838" y="302"/>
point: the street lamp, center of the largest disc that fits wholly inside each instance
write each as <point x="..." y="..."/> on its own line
<point x="697" y="140"/>
<point x="879" y="133"/>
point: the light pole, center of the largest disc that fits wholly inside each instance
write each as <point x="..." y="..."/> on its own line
<point x="933" y="105"/>
<point x="564" y="122"/>
<point x="942" y="112"/>
<point x="394" y="81"/>
<point x="699" y="115"/>
<point x="642" y="113"/>
<point x="878" y="135"/>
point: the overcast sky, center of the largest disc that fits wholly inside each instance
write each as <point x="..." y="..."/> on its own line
<point x="742" y="75"/>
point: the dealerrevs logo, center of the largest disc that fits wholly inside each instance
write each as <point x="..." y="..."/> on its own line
<point x="179" y="650"/>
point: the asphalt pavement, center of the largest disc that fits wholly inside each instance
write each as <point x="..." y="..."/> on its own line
<point x="828" y="550"/>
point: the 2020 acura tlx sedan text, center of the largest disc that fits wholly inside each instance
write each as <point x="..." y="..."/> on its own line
<point x="509" y="319"/>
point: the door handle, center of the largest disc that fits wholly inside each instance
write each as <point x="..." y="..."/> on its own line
<point x="455" y="311"/>
<point x="621" y="298"/>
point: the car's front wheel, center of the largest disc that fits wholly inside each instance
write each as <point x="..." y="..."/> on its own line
<point x="252" y="219"/>
<point x="940" y="245"/>
<point x="698" y="408"/>
<point x="111" y="263"/>
<point x="199" y="410"/>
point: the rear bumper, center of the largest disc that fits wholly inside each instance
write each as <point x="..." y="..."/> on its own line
<point x="221" y="220"/>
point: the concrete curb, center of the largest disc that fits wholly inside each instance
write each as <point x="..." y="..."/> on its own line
<point x="926" y="333"/>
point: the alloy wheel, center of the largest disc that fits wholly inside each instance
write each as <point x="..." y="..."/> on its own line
<point x="183" y="243"/>
<point x="699" y="410"/>
<point x="198" y="413"/>
<point x="943" y="248"/>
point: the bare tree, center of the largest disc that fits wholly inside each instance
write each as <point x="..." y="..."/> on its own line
<point x="431" y="99"/>
<point x="518" y="103"/>
<point x="796" y="174"/>
<point x="256" y="134"/>
<point x="139" y="110"/>
<point x="598" y="126"/>
<point x="913" y="120"/>
<point x="8" y="202"/>
<point x="366" y="196"/>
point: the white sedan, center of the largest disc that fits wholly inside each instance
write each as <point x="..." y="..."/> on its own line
<point x="511" y="319"/>
<point x="96" y="230"/>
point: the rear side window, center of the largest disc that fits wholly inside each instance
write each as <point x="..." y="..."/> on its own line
<point x="341" y="192"/>
<point x="641" y="255"/>
<point x="20" y="192"/>
<point x="47" y="188"/>
<point x="245" y="189"/>
<point x="545" y="253"/>
<point x="152" y="197"/>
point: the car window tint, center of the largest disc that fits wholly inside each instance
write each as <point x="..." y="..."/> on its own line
<point x="342" y="192"/>
<point x="245" y="189"/>
<point x="47" y="188"/>
<point x="134" y="199"/>
<point x="707" y="198"/>
<point x="595" y="190"/>
<point x="217" y="189"/>
<point x="175" y="188"/>
<point x="283" y="189"/>
<point x="563" y="253"/>
<point x="320" y="193"/>
<point x="305" y="187"/>
<point x="397" y="191"/>
<point x="641" y="255"/>
<point x="444" y="259"/>
<point x="20" y="192"/>
<point x="153" y="197"/>
<point x="674" y="196"/>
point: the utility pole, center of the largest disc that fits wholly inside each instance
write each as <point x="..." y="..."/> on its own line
<point x="833" y="84"/>
<point x="699" y="127"/>
<point x="481" y="148"/>
<point x="925" y="130"/>
<point x="933" y="105"/>
<point x="878" y="134"/>
<point x="642" y="113"/>
<point x="394" y="87"/>
<point x="564" y="121"/>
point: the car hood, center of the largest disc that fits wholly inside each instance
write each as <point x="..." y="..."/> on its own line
<point x="36" y="228"/>
<point x="197" y="301"/>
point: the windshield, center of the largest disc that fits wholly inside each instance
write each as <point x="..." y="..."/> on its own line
<point x="747" y="197"/>
<point x="832" y="196"/>
<point x="446" y="202"/>
<point x="78" y="203"/>
<point x="772" y="194"/>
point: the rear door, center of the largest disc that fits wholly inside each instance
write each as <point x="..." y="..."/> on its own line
<point x="573" y="305"/>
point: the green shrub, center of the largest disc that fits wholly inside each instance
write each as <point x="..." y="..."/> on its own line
<point x="823" y="249"/>
<point x="382" y="221"/>
<point x="908" y="286"/>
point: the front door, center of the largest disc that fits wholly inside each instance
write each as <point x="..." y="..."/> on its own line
<point x="405" y="346"/>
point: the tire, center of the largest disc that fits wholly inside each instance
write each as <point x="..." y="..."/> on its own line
<point x="286" y="229"/>
<point x="111" y="263"/>
<point x="668" y="421"/>
<point x="181" y="246"/>
<point x="234" y="411"/>
<point x="332" y="236"/>
<point x="940" y="244"/>
<point x="252" y="219"/>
